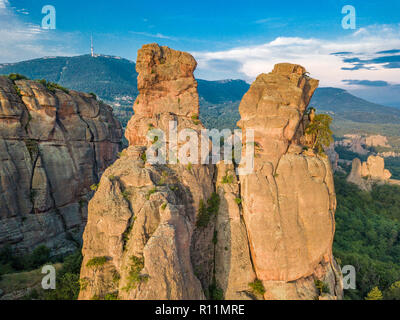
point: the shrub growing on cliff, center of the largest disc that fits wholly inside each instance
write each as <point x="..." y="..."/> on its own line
<point x="93" y="95"/>
<point x="16" y="76"/>
<point x="206" y="212"/>
<point x="322" y="287"/>
<point x="257" y="287"/>
<point x="150" y="192"/>
<point x="227" y="179"/>
<point x="320" y="132"/>
<point x="33" y="147"/>
<point x="96" y="262"/>
<point x="52" y="87"/>
<point x="134" y="276"/>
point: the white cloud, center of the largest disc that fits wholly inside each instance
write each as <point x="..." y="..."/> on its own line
<point x="314" y="54"/>
<point x="3" y="4"/>
<point x="153" y="35"/>
<point x="23" y="40"/>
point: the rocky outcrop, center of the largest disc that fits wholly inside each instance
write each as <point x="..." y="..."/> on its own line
<point x="54" y="145"/>
<point x="368" y="173"/>
<point x="191" y="231"/>
<point x="377" y="141"/>
<point x="144" y="218"/>
<point x="289" y="200"/>
<point x="360" y="143"/>
<point x="333" y="157"/>
<point x="353" y="142"/>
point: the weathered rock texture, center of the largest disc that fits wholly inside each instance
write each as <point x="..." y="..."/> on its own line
<point x="147" y="213"/>
<point x="53" y="147"/>
<point x="367" y="173"/>
<point x="146" y="226"/>
<point x="377" y="141"/>
<point x="289" y="200"/>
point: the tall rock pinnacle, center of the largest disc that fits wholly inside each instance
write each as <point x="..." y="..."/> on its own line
<point x="289" y="200"/>
<point x="143" y="218"/>
<point x="196" y="231"/>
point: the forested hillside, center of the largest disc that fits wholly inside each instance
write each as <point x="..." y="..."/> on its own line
<point x="368" y="236"/>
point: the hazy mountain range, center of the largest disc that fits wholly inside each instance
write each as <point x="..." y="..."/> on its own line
<point x="114" y="79"/>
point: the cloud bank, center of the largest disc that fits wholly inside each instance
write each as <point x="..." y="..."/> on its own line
<point x="370" y="53"/>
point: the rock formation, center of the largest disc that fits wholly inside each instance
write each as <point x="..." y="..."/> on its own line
<point x="333" y="157"/>
<point x="367" y="173"/>
<point x="289" y="200"/>
<point x="354" y="143"/>
<point x="191" y="231"/>
<point x="377" y="141"/>
<point x="143" y="218"/>
<point x="54" y="145"/>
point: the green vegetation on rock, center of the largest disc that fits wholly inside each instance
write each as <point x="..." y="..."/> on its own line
<point x="208" y="211"/>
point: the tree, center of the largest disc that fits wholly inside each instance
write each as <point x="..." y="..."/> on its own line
<point x="320" y="132"/>
<point x="393" y="293"/>
<point x="374" y="294"/>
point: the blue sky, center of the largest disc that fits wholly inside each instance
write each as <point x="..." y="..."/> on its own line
<point x="230" y="39"/>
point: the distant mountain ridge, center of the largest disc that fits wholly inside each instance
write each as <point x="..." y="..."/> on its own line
<point x="106" y="76"/>
<point x="348" y="107"/>
<point x="112" y="77"/>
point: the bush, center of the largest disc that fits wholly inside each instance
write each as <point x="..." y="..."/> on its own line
<point x="16" y="76"/>
<point x="206" y="212"/>
<point x="150" y="192"/>
<point x="227" y="179"/>
<point x="126" y="195"/>
<point x="93" y="95"/>
<point x="53" y="87"/>
<point x="111" y="296"/>
<point x="96" y="262"/>
<point x="10" y="263"/>
<point x="393" y="293"/>
<point x="257" y="287"/>
<point x="215" y="292"/>
<point x="319" y="130"/>
<point x="134" y="276"/>
<point x="322" y="287"/>
<point x="39" y="257"/>
<point x="374" y="294"/>
<point x="67" y="288"/>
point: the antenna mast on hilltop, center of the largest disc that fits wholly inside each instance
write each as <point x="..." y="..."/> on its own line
<point x="92" y="48"/>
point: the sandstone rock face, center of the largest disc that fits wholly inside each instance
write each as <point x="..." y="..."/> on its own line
<point x="53" y="147"/>
<point x="367" y="173"/>
<point x="289" y="200"/>
<point x="143" y="217"/>
<point x="183" y="231"/>
<point x="354" y="143"/>
<point x="333" y="157"/>
<point x="377" y="141"/>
